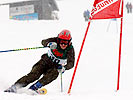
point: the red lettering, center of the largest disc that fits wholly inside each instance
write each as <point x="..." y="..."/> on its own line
<point x="106" y="2"/>
<point x="102" y="4"/>
<point x="110" y="1"/>
<point x="57" y="53"/>
<point x="98" y="7"/>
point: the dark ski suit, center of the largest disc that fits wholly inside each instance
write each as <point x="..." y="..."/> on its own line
<point x="47" y="67"/>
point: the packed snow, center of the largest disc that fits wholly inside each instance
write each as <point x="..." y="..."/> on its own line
<point x="96" y="76"/>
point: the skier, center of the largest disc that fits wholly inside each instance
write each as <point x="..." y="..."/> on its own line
<point x="86" y="15"/>
<point x="128" y="7"/>
<point x="60" y="57"/>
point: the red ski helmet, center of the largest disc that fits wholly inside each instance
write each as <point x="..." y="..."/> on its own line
<point x="65" y="35"/>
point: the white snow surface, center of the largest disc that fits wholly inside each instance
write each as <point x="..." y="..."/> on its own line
<point x="96" y="76"/>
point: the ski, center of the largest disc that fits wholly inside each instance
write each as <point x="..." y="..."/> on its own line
<point x="41" y="91"/>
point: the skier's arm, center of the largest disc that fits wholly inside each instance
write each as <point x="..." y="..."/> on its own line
<point x="70" y="59"/>
<point x="46" y="41"/>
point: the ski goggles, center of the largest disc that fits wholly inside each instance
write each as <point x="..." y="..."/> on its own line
<point x="64" y="42"/>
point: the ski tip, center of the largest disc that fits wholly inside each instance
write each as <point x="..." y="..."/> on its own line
<point x="42" y="91"/>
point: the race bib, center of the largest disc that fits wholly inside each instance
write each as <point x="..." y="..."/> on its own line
<point x="55" y="59"/>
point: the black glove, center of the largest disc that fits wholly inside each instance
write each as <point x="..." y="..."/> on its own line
<point x="61" y="69"/>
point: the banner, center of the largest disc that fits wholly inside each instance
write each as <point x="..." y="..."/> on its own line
<point x="33" y="16"/>
<point x="106" y="9"/>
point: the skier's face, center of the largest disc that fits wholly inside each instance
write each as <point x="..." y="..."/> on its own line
<point x="63" y="44"/>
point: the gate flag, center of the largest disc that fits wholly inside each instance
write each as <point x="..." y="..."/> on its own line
<point x="106" y="9"/>
<point x="103" y="9"/>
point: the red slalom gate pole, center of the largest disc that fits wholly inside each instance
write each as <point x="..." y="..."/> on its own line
<point x="119" y="62"/>
<point x="69" y="90"/>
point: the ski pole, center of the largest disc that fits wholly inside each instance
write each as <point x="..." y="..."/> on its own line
<point x="61" y="82"/>
<point x="21" y="49"/>
<point x="61" y="70"/>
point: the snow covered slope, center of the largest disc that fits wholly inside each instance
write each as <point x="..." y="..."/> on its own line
<point x="96" y="76"/>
